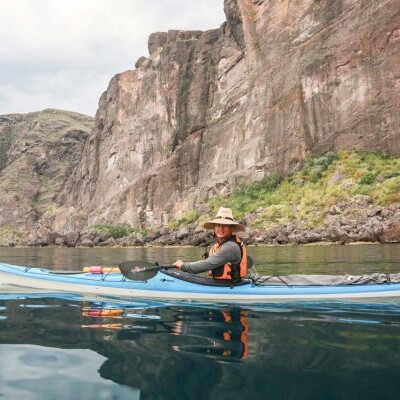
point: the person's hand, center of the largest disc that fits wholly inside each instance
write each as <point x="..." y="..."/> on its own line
<point x="178" y="264"/>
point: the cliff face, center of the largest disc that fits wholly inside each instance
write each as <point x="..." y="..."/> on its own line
<point x="208" y="111"/>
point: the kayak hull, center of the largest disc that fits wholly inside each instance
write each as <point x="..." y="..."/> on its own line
<point x="166" y="287"/>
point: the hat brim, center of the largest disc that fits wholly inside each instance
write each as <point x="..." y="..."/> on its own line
<point x="236" y="227"/>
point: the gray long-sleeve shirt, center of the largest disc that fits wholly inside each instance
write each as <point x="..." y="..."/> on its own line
<point x="228" y="252"/>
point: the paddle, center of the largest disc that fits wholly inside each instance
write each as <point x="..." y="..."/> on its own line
<point x="143" y="270"/>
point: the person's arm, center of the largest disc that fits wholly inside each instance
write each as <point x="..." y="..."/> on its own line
<point x="229" y="252"/>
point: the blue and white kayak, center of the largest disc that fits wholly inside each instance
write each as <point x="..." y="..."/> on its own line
<point x="179" y="286"/>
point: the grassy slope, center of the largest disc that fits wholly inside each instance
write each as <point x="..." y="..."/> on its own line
<point x="307" y="195"/>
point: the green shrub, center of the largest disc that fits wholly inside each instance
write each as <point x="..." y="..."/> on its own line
<point x="326" y="160"/>
<point x="368" y="178"/>
<point x="392" y="174"/>
<point x="186" y="218"/>
<point x="315" y="174"/>
<point x="314" y="167"/>
<point x="116" y="231"/>
<point x="269" y="183"/>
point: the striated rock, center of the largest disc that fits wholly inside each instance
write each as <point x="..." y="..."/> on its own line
<point x="85" y="242"/>
<point x="391" y="231"/>
<point x="109" y="242"/>
<point x="183" y="233"/>
<point x="71" y="239"/>
<point x="157" y="40"/>
<point x="141" y="62"/>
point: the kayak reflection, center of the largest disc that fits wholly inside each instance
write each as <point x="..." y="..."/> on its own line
<point x="220" y="333"/>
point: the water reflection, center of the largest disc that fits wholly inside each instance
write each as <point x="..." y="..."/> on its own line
<point x="183" y="350"/>
<point x="149" y="350"/>
<point x="36" y="372"/>
<point x="220" y="334"/>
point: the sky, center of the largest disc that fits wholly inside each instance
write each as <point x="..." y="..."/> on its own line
<point x="62" y="54"/>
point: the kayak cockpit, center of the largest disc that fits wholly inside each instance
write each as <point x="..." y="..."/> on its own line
<point x="201" y="280"/>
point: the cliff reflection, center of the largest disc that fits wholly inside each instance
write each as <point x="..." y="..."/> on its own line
<point x="197" y="352"/>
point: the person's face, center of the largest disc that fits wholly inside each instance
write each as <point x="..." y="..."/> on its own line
<point x="222" y="231"/>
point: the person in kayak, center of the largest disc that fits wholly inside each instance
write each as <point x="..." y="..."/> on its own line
<point x="227" y="259"/>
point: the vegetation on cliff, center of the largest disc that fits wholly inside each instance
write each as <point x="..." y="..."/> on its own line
<point x="117" y="231"/>
<point x="307" y="195"/>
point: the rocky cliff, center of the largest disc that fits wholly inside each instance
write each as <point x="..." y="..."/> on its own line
<point x="204" y="113"/>
<point x="207" y="111"/>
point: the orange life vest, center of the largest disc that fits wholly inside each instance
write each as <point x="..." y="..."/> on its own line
<point x="230" y="271"/>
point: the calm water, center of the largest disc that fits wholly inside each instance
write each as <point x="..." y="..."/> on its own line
<point x="65" y="347"/>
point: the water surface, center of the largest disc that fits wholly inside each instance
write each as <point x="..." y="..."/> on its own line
<point x="64" y="346"/>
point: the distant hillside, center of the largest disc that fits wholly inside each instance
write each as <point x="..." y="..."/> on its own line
<point x="38" y="152"/>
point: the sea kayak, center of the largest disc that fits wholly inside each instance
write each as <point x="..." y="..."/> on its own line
<point x="178" y="286"/>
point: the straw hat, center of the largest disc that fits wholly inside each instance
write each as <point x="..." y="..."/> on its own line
<point x="224" y="217"/>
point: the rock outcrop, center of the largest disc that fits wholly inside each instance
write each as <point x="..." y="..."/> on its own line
<point x="208" y="111"/>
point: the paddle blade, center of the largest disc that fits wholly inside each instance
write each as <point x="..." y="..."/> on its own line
<point x="139" y="270"/>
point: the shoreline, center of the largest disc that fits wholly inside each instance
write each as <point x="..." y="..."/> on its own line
<point x="346" y="223"/>
<point x="172" y="246"/>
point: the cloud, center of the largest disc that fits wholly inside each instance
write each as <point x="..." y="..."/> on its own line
<point x="63" y="54"/>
